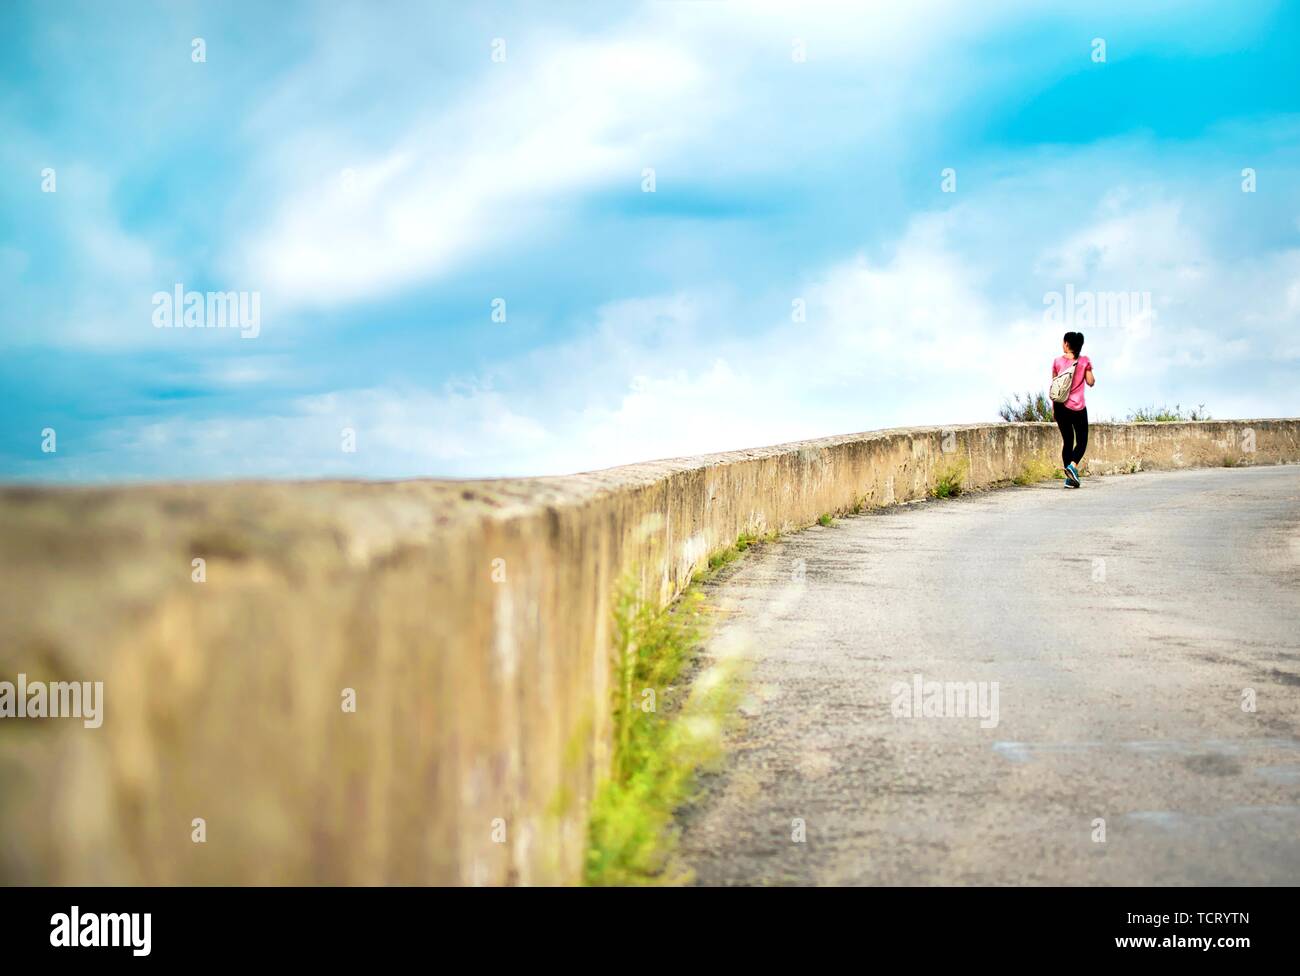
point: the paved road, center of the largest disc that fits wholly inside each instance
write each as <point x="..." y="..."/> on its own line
<point x="1122" y="623"/>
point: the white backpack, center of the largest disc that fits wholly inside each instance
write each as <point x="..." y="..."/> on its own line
<point x="1062" y="383"/>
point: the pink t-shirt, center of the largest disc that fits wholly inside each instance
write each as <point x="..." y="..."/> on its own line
<point x="1075" y="400"/>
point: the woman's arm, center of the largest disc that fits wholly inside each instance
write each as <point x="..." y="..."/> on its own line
<point x="1092" y="380"/>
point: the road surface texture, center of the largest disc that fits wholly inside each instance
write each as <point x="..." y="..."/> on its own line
<point x="1128" y="626"/>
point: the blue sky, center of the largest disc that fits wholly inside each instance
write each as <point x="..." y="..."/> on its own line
<point x="798" y="271"/>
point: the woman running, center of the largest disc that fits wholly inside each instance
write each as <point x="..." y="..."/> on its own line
<point x="1072" y="415"/>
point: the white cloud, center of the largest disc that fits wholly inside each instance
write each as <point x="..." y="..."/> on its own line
<point x="479" y="173"/>
<point x="565" y="115"/>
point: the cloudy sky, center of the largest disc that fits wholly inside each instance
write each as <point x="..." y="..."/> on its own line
<point x="517" y="238"/>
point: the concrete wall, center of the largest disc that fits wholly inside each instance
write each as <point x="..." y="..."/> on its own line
<point x="477" y="698"/>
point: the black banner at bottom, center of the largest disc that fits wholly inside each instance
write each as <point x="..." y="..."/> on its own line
<point x="144" y="926"/>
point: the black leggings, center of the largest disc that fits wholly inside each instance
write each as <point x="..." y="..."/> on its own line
<point x="1074" y="432"/>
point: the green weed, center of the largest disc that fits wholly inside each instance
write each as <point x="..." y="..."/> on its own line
<point x="1035" y="469"/>
<point x="948" y="480"/>
<point x="659" y="743"/>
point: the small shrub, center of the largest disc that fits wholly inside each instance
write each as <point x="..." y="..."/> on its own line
<point x="948" y="480"/>
<point x="824" y="520"/>
<point x="1163" y="415"/>
<point x="1035" y="407"/>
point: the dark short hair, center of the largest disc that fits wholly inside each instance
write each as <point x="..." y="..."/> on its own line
<point x="1075" y="341"/>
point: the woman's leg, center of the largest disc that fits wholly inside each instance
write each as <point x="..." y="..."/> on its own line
<point x="1065" y="424"/>
<point x="1080" y="434"/>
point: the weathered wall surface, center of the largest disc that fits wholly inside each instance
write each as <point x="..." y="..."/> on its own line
<point x="472" y="619"/>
